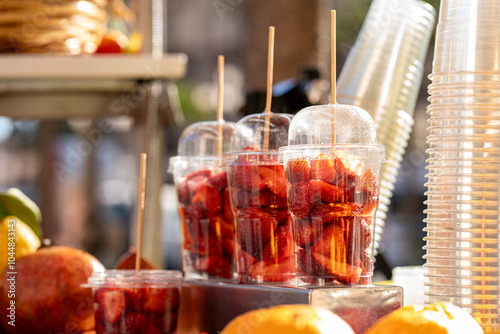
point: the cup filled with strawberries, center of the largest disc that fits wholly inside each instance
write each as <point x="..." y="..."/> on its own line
<point x="207" y="228"/>
<point x="257" y="189"/>
<point x="127" y="302"/>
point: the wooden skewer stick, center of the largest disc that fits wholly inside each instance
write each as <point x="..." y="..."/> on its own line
<point x="334" y="75"/>
<point x="269" y="97"/>
<point x="141" y="213"/>
<point x="220" y="103"/>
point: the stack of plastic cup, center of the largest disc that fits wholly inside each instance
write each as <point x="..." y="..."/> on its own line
<point x="207" y="229"/>
<point x="463" y="197"/>
<point x="382" y="74"/>
<point x="257" y="188"/>
<point x="332" y="166"/>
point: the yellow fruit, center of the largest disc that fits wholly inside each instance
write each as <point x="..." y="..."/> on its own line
<point x="23" y="240"/>
<point x="14" y="202"/>
<point x="438" y="318"/>
<point x="290" y="319"/>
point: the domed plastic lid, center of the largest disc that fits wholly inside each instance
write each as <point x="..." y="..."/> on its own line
<point x="202" y="138"/>
<point x="314" y="125"/>
<point x="250" y="132"/>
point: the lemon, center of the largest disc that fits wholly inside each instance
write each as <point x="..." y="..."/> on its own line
<point x="438" y="318"/>
<point x="22" y="238"/>
<point x="290" y="319"/>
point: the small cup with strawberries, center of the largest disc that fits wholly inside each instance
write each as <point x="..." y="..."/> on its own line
<point x="207" y="229"/>
<point x="257" y="188"/>
<point x="130" y="303"/>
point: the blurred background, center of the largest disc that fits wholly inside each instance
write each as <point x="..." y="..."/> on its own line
<point x="87" y="201"/>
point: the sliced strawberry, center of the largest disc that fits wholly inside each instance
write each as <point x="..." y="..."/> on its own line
<point x="274" y="177"/>
<point x="104" y="326"/>
<point x="369" y="183"/>
<point x="357" y="233"/>
<point x="219" y="180"/>
<point x="343" y="272"/>
<point x="196" y="180"/>
<point x="368" y="203"/>
<point x="134" y="298"/>
<point x="245" y="176"/>
<point x="278" y="202"/>
<point x="327" y="192"/>
<point x="297" y="170"/>
<point x="209" y="198"/>
<point x="243" y="259"/>
<point x="328" y="212"/>
<point x="274" y="272"/>
<point x="307" y="265"/>
<point x="228" y="247"/>
<point x="208" y="244"/>
<point x="152" y="329"/>
<point x="306" y="232"/>
<point x="221" y="227"/>
<point x="111" y="302"/>
<point x="161" y="299"/>
<point x="367" y="260"/>
<point x="217" y="265"/>
<point x="322" y="169"/>
<point x="281" y="215"/>
<point x="302" y="199"/>
<point x="280" y="245"/>
<point x="226" y="206"/>
<point x="254" y="228"/>
<point x="245" y="198"/>
<point x="134" y="322"/>
<point x="347" y="169"/>
<point x="183" y="191"/>
<point x="331" y="244"/>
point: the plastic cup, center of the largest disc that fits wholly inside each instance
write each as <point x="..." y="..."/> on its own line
<point x="127" y="303"/>
<point x="333" y="193"/>
<point x="202" y="138"/>
<point x="264" y="236"/>
<point x="463" y="9"/>
<point x="207" y="229"/>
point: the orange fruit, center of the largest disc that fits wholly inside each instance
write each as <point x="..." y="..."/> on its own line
<point x="290" y="319"/>
<point x="438" y="318"/>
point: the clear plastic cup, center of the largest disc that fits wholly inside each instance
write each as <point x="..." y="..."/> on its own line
<point x="264" y="236"/>
<point x="465" y="77"/>
<point x="333" y="193"/>
<point x="127" y="303"/>
<point x="207" y="229"/>
<point x="463" y="9"/>
<point x="202" y="138"/>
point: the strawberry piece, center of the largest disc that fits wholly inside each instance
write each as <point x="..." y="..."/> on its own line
<point x="367" y="261"/>
<point x="368" y="203"/>
<point x="322" y="169"/>
<point x="243" y="259"/>
<point x="165" y="322"/>
<point x="191" y="216"/>
<point x="369" y="183"/>
<point x="297" y="170"/>
<point x="112" y="303"/>
<point x="226" y="206"/>
<point x="307" y="265"/>
<point x="327" y="192"/>
<point x="343" y="272"/>
<point x="161" y="299"/>
<point x="209" y="198"/>
<point x="280" y="245"/>
<point x="208" y="244"/>
<point x="278" y="202"/>
<point x="103" y="326"/>
<point x="152" y="329"/>
<point x="133" y="299"/>
<point x="281" y="215"/>
<point x="219" y="180"/>
<point x="306" y="231"/>
<point x="228" y="247"/>
<point x="196" y="180"/>
<point x="328" y="212"/>
<point x="245" y="198"/>
<point x="331" y="244"/>
<point x="134" y="323"/>
<point x="217" y="265"/>
<point x="347" y="169"/>
<point x="254" y="228"/>
<point x="221" y="227"/>
<point x="245" y="176"/>
<point x="358" y="235"/>
<point x="183" y="192"/>
<point x="302" y="199"/>
<point x="274" y="177"/>
<point x="274" y="272"/>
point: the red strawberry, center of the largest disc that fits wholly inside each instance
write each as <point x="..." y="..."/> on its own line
<point x="280" y="245"/>
<point x="369" y="183"/>
<point x="222" y="227"/>
<point x="347" y="169"/>
<point x="245" y="176"/>
<point x="328" y="212"/>
<point x="245" y="198"/>
<point x="278" y="202"/>
<point x="152" y="329"/>
<point x="243" y="259"/>
<point x="208" y="243"/>
<point x="183" y="192"/>
<point x="228" y="247"/>
<point x="306" y="232"/>
<point x="161" y="299"/>
<point x="226" y="206"/>
<point x="297" y="170"/>
<point x="254" y="228"/>
<point x="331" y="244"/>
<point x="165" y="322"/>
<point x="209" y="198"/>
<point x="307" y="265"/>
<point x="281" y="215"/>
<point x="133" y="298"/>
<point x="191" y="217"/>
<point x="112" y="303"/>
<point x="274" y="177"/>
<point x="217" y="265"/>
<point x="327" y="192"/>
<point x="343" y="272"/>
<point x="134" y="323"/>
<point x="104" y="326"/>
<point x="367" y="261"/>
<point x="196" y="180"/>
<point x="368" y="203"/>
<point x="357" y="234"/>
<point x="302" y="199"/>
<point x="322" y="169"/>
<point x="274" y="272"/>
<point x="219" y="180"/>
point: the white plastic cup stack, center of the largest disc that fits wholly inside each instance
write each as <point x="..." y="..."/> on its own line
<point x="463" y="197"/>
<point x="382" y="74"/>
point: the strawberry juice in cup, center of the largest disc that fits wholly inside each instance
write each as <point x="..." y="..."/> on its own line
<point x="129" y="304"/>
<point x="257" y="188"/>
<point x="207" y="229"/>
